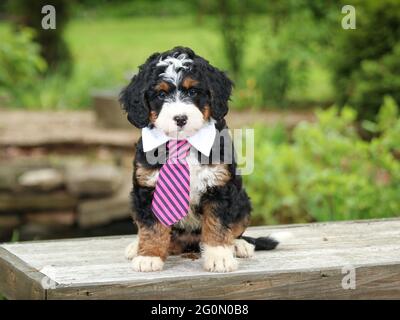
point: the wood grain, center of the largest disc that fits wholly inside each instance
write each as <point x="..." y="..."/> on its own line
<point x="18" y="280"/>
<point x="307" y="266"/>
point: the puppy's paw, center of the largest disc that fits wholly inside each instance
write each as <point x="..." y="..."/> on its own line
<point x="131" y="250"/>
<point x="243" y="249"/>
<point x="147" y="264"/>
<point x="219" y="259"/>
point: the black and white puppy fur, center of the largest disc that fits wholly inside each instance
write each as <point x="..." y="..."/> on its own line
<point x="179" y="92"/>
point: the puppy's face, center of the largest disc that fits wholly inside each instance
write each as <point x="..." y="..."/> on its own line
<point x="179" y="101"/>
<point x="177" y="92"/>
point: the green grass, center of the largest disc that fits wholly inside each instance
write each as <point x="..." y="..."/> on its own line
<point x="106" y="50"/>
<point x="123" y="44"/>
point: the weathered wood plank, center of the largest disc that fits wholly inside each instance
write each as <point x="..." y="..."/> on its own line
<point x="18" y="280"/>
<point x="74" y="128"/>
<point x="60" y="128"/>
<point x="378" y="282"/>
<point x="307" y="266"/>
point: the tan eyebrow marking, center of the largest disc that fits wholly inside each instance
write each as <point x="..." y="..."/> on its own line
<point x="189" y="82"/>
<point x="162" y="86"/>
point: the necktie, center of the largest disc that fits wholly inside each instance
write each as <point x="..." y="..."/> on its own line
<point x="172" y="193"/>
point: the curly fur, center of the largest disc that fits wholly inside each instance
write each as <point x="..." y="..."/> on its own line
<point x="223" y="202"/>
<point x="134" y="98"/>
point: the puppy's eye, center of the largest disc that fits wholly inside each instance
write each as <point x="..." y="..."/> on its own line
<point x="192" y="92"/>
<point x="161" y="95"/>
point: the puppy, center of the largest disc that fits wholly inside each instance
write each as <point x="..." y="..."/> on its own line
<point x="179" y="95"/>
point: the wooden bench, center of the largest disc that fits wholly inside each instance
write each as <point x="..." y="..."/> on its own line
<point x="314" y="264"/>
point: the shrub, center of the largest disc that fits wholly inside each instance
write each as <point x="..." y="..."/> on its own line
<point x="327" y="172"/>
<point x="20" y="64"/>
<point x="53" y="48"/>
<point x="233" y="15"/>
<point x="295" y="41"/>
<point x="366" y="60"/>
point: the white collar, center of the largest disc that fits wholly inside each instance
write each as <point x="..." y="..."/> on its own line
<point x="202" y="140"/>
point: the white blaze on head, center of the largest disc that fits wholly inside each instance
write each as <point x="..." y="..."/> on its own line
<point x="174" y="67"/>
<point x="175" y="106"/>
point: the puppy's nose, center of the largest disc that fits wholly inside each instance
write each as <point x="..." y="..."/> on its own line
<point x="181" y="120"/>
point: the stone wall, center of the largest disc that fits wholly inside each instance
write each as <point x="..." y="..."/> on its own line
<point x="41" y="199"/>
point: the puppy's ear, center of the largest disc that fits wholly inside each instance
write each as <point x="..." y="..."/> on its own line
<point x="220" y="87"/>
<point x="133" y="97"/>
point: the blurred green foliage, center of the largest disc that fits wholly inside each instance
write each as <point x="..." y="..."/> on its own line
<point x="325" y="171"/>
<point x="20" y="65"/>
<point x="15" y="236"/>
<point x="233" y="16"/>
<point x="280" y="53"/>
<point x="133" y="8"/>
<point x="53" y="47"/>
<point x="121" y="35"/>
<point x="295" y="34"/>
<point x="366" y="61"/>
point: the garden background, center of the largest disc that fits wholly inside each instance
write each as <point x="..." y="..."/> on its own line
<point x="323" y="101"/>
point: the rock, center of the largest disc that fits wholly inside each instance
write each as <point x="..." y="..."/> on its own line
<point x="100" y="212"/>
<point x="41" y="179"/>
<point x="8" y="179"/>
<point x="58" y="218"/>
<point x="17" y="202"/>
<point x="108" y="110"/>
<point x="93" y="180"/>
<point x="58" y="129"/>
<point x="11" y="170"/>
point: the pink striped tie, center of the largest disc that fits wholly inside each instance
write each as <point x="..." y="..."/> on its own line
<point x="172" y="194"/>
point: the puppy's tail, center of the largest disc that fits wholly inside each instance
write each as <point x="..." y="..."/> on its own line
<point x="270" y="242"/>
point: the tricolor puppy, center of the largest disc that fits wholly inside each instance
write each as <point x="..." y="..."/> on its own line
<point x="186" y="200"/>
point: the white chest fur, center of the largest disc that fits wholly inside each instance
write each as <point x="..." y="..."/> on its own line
<point x="201" y="177"/>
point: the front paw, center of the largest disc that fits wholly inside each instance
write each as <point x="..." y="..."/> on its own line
<point x="131" y="250"/>
<point x="219" y="259"/>
<point x="243" y="249"/>
<point x="147" y="264"/>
